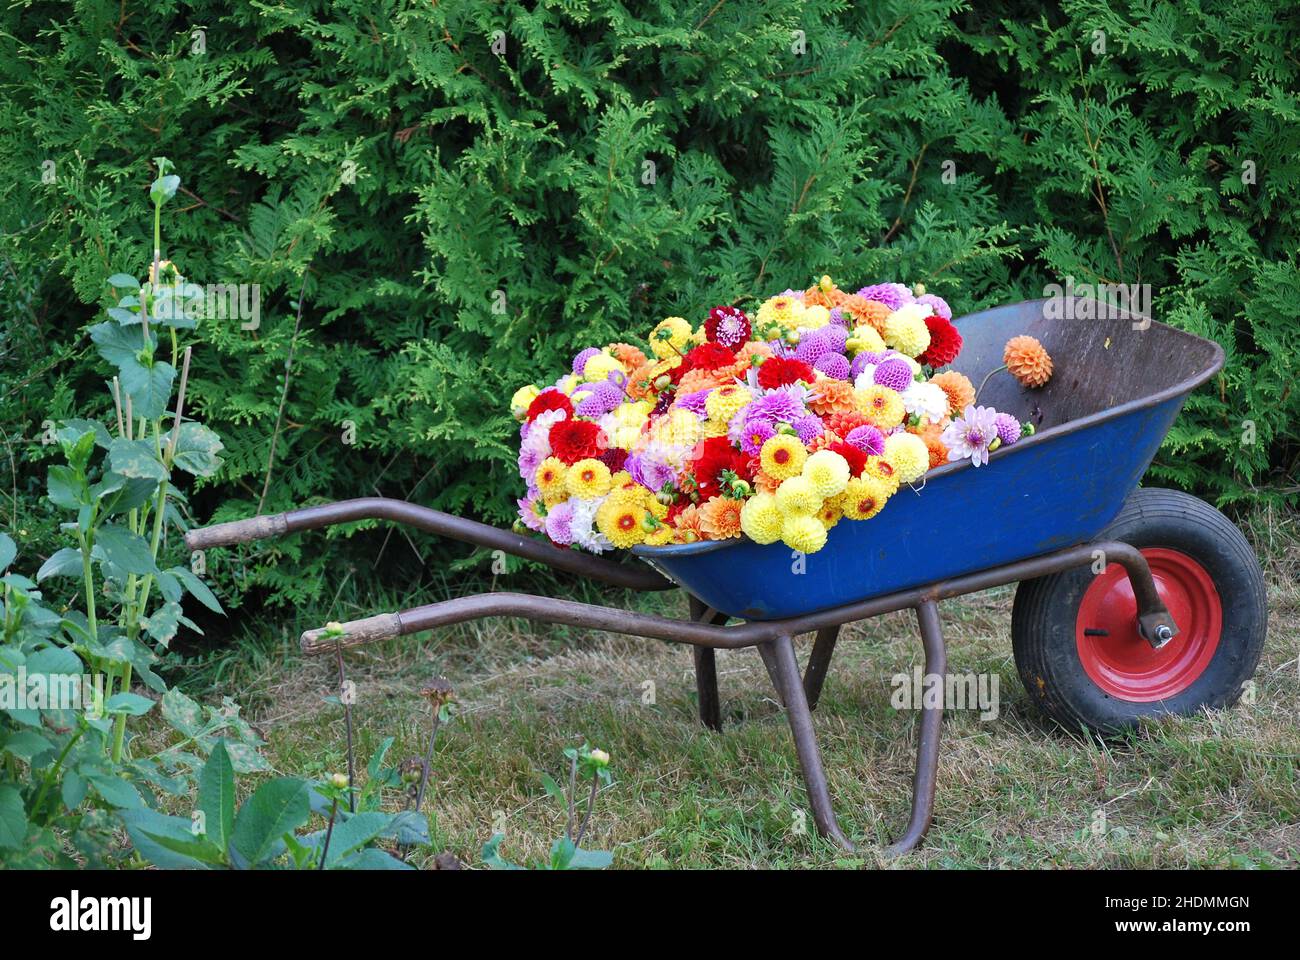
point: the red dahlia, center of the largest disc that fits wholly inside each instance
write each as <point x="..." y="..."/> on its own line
<point x="614" y="458"/>
<point x="729" y="327"/>
<point x="857" y="459"/>
<point x="945" y="342"/>
<point x="709" y="356"/>
<point x="711" y="458"/>
<point x="782" y="371"/>
<point x="574" y="440"/>
<point x="549" y="400"/>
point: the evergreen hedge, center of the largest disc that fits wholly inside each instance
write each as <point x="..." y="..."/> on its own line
<point x="459" y="194"/>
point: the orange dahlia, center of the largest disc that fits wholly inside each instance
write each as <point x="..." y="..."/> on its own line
<point x="720" y="518"/>
<point x="1027" y="361"/>
<point x="688" y="524"/>
<point x="745" y="357"/>
<point x="958" y="388"/>
<point x="625" y="353"/>
<point x="867" y="311"/>
<point x="938" y="452"/>
<point x="832" y="396"/>
<point x="815" y="296"/>
<point x="765" y="482"/>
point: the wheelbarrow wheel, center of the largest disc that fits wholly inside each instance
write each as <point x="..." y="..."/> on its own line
<point x="1075" y="633"/>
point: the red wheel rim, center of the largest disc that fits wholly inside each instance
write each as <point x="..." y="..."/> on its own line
<point x="1116" y="656"/>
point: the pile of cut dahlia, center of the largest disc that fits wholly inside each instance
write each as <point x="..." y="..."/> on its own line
<point x="774" y="426"/>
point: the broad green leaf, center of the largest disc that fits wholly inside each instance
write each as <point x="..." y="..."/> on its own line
<point x="197" y="450"/>
<point x="278" y="807"/>
<point x="26" y="745"/>
<point x="354" y="833"/>
<point x="131" y="704"/>
<point x="131" y="493"/>
<point x="217" y="796"/>
<point x="149" y="386"/>
<point x="54" y="661"/>
<point x="62" y="563"/>
<point x="590" y="859"/>
<point x="102" y="437"/>
<point x="13" y="818"/>
<point x="136" y="459"/>
<point x="123" y="549"/>
<point x="246" y="759"/>
<point x="197" y="588"/>
<point x="8" y="550"/>
<point x="116" y="791"/>
<point x="145" y="825"/>
<point x="182" y="713"/>
<point x="120" y="345"/>
<point x="163" y="623"/>
<point x="372" y="858"/>
<point x="124" y="281"/>
<point x="66" y="488"/>
<point x="73" y="789"/>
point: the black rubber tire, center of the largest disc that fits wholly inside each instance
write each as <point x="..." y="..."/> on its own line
<point x="1044" y="617"/>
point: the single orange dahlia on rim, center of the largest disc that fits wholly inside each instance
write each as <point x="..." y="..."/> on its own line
<point x="1027" y="361"/>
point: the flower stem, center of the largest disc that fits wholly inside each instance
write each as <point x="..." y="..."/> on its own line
<point x="986" y="380"/>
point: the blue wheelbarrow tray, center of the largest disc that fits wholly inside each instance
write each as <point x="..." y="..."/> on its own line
<point x="1116" y="387"/>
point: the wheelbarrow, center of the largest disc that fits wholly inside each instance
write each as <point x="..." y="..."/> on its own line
<point x="1131" y="602"/>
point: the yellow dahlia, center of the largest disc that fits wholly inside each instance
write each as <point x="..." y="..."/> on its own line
<point x="670" y="337"/>
<point x="550" y="480"/>
<point x="599" y="366"/>
<point x="864" y="338"/>
<point x="803" y="533"/>
<point x="660" y="535"/>
<point x="815" y="316"/>
<point x="830" y="513"/>
<point x="725" y="402"/>
<point x="881" y="405"/>
<point x="905" y="329"/>
<point x="909" y="455"/>
<point x="797" y="497"/>
<point x="587" y="479"/>
<point x="883" y="470"/>
<point x="521" y="399"/>
<point x="827" y="471"/>
<point x="782" y="456"/>
<point x="621" y="519"/>
<point x="784" y="311"/>
<point x="679" y="428"/>
<point x="863" y="498"/>
<point x="760" y="518"/>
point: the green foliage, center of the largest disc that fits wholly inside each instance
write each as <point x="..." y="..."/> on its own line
<point x="263" y="833"/>
<point x="434" y="219"/>
<point x="585" y="766"/>
<point x="67" y="671"/>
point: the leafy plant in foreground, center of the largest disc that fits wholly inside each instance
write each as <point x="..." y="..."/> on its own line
<point x="264" y="832"/>
<point x="67" y="674"/>
<point x="566" y="851"/>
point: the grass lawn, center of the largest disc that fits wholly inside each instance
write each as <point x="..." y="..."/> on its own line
<point x="1219" y="789"/>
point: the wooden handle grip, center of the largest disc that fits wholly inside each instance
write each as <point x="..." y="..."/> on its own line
<point x="237" y="531"/>
<point x="385" y="626"/>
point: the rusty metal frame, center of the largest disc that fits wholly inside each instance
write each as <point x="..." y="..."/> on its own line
<point x="705" y="631"/>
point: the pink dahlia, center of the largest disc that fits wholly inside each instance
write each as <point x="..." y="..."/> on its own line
<point x="970" y="434"/>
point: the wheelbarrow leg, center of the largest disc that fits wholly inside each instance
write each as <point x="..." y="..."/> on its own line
<point x="818" y="663"/>
<point x="785" y="669"/>
<point x="927" y="748"/>
<point x="706" y="670"/>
